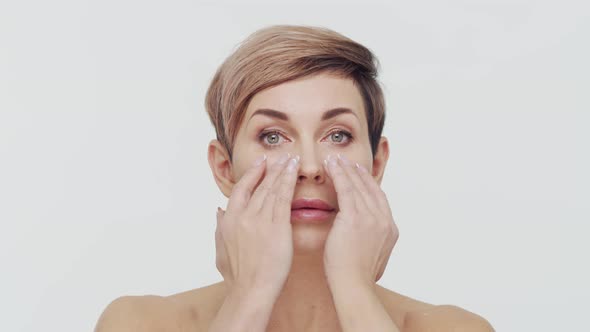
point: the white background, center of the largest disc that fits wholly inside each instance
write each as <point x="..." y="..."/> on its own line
<point x="105" y="188"/>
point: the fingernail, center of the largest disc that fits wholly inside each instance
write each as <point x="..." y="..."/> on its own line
<point x="292" y="164"/>
<point x="361" y="167"/>
<point x="259" y="160"/>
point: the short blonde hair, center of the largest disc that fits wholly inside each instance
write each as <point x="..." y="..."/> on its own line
<point x="281" y="53"/>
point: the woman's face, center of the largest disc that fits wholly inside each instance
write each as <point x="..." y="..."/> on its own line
<point x="312" y="117"/>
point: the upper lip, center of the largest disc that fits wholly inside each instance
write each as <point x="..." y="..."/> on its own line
<point x="311" y="203"/>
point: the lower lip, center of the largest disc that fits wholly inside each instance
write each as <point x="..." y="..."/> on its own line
<point x="310" y="215"/>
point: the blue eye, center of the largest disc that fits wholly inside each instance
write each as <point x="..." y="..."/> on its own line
<point x="272" y="138"/>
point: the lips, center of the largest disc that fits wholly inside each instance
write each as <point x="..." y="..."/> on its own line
<point x="311" y="203"/>
<point x="309" y="210"/>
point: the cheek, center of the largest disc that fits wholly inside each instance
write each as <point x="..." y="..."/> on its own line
<point x="243" y="160"/>
<point x="247" y="149"/>
<point x="360" y="155"/>
<point x="239" y="164"/>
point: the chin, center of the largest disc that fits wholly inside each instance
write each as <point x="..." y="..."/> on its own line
<point x="310" y="238"/>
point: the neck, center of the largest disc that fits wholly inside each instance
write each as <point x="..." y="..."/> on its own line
<point x="305" y="302"/>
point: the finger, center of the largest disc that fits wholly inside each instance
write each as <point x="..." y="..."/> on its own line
<point x="375" y="190"/>
<point x="344" y="188"/>
<point x="358" y="200"/>
<point x="364" y="199"/>
<point x="242" y="191"/>
<point x="266" y="185"/>
<point x="281" y="205"/>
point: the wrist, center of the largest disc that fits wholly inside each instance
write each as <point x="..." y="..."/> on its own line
<point x="359" y="306"/>
<point x="239" y="291"/>
<point x="346" y="280"/>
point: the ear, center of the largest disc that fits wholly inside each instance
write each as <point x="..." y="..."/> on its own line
<point x="380" y="160"/>
<point x="221" y="167"/>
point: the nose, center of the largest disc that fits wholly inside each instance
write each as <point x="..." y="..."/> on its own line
<point x="311" y="167"/>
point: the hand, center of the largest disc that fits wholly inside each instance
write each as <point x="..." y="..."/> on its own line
<point x="364" y="233"/>
<point x="253" y="239"/>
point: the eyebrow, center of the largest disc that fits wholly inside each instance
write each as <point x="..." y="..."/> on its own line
<point x="284" y="117"/>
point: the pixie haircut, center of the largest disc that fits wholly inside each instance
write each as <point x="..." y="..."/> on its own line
<point x="281" y="53"/>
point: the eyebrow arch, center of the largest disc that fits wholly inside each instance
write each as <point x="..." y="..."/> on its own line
<point x="284" y="117"/>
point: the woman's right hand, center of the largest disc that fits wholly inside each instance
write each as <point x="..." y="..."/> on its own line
<point x="253" y="239"/>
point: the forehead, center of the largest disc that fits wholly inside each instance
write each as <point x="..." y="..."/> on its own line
<point x="307" y="98"/>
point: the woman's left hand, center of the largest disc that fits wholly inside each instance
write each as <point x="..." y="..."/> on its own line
<point x="364" y="233"/>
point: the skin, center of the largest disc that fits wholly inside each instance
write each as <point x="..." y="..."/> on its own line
<point x="324" y="279"/>
<point x="304" y="102"/>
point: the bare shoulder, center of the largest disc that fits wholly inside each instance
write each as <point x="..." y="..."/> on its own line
<point x="413" y="315"/>
<point x="445" y="318"/>
<point x="143" y="313"/>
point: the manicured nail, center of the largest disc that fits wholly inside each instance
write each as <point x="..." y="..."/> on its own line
<point x="292" y="164"/>
<point x="259" y="160"/>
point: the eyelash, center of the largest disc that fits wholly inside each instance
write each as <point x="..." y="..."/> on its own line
<point x="265" y="133"/>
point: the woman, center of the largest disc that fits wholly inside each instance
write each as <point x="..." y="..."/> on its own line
<point x="307" y="231"/>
